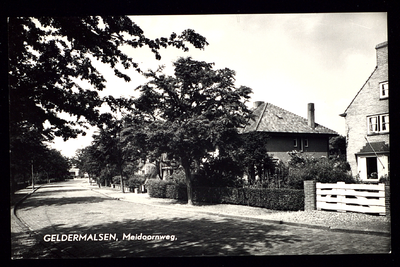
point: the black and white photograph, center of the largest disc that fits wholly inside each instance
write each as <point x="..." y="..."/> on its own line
<point x="201" y="135"/>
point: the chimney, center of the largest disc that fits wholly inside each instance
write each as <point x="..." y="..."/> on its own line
<point x="382" y="54"/>
<point x="256" y="104"/>
<point x="310" y="114"/>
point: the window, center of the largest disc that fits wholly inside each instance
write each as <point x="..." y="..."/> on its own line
<point x="295" y="142"/>
<point x="384" y="120"/>
<point x="305" y="142"/>
<point x="384" y="90"/>
<point x="378" y="124"/>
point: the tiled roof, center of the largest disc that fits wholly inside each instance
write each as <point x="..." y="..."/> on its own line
<point x="374" y="147"/>
<point x="278" y="120"/>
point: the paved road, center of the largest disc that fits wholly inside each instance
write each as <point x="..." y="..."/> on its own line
<point x="69" y="211"/>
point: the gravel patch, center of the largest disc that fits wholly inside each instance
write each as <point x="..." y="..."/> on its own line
<point x="331" y="219"/>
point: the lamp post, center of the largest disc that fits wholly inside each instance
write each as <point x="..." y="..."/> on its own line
<point x="33" y="182"/>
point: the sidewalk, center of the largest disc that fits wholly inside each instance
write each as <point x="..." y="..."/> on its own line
<point x="333" y="221"/>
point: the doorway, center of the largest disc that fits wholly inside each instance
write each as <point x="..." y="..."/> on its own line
<point x="372" y="168"/>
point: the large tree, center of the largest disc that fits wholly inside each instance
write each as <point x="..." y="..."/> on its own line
<point x="193" y="112"/>
<point x="114" y="150"/>
<point x="48" y="56"/>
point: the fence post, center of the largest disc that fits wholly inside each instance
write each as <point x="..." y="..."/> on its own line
<point x="341" y="197"/>
<point x="310" y="195"/>
<point x="387" y="201"/>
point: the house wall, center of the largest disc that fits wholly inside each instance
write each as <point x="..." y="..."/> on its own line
<point x="367" y="102"/>
<point x="278" y="145"/>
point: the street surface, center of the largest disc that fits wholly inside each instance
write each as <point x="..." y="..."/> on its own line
<point x="71" y="221"/>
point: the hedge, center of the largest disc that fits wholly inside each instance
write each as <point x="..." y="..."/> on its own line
<point x="274" y="199"/>
<point x="157" y="188"/>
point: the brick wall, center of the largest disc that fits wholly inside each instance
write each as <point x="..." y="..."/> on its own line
<point x="310" y="195"/>
<point x="387" y="201"/>
<point x="366" y="102"/>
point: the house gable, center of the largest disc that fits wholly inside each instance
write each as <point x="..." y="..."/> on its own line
<point x="367" y="122"/>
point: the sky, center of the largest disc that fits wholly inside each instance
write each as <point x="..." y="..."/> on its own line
<point x="288" y="60"/>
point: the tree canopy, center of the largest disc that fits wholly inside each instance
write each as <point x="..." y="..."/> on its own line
<point x="193" y="112"/>
<point x="48" y="56"/>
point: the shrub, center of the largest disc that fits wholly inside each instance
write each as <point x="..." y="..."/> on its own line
<point x="385" y="179"/>
<point x="175" y="191"/>
<point x="219" y="172"/>
<point x="274" y="199"/>
<point x="116" y="179"/>
<point x="177" y="177"/>
<point x="136" y="181"/>
<point x="321" y="170"/>
<point x="157" y="188"/>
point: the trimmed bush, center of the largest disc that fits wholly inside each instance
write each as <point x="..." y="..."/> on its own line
<point x="157" y="188"/>
<point x="274" y="199"/>
<point x="174" y="191"/>
<point x="135" y="182"/>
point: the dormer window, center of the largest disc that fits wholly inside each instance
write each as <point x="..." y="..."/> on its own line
<point x="384" y="90"/>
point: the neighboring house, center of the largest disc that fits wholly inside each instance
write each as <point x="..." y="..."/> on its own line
<point x="74" y="172"/>
<point x="367" y="123"/>
<point x="146" y="167"/>
<point x="165" y="167"/>
<point x="288" y="131"/>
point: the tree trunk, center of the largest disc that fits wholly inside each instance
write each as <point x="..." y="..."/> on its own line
<point x="121" y="180"/>
<point x="188" y="174"/>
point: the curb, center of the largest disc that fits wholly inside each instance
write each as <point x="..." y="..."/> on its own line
<point x="13" y="209"/>
<point x="312" y="226"/>
<point x="27" y="229"/>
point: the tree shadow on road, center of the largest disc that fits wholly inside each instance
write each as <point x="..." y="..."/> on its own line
<point x="194" y="237"/>
<point x="47" y="199"/>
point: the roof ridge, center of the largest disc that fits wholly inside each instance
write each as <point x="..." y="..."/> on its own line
<point x="303" y="119"/>
<point x="288" y="111"/>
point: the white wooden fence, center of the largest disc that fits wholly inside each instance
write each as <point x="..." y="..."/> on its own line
<point x="365" y="198"/>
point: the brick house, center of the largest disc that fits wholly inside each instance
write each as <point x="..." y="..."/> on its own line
<point x="367" y="123"/>
<point x="287" y="131"/>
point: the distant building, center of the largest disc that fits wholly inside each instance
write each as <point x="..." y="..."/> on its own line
<point x="161" y="168"/>
<point x="288" y="131"/>
<point x="146" y="167"/>
<point x="74" y="172"/>
<point x="367" y="123"/>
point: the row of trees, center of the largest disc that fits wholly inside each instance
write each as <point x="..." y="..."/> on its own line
<point x="48" y="56"/>
<point x="189" y="115"/>
<point x="34" y="158"/>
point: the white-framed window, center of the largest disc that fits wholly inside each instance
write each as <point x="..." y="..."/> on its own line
<point x="295" y="142"/>
<point x="384" y="123"/>
<point x="305" y="142"/>
<point x="378" y="123"/>
<point x="384" y="90"/>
